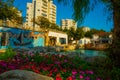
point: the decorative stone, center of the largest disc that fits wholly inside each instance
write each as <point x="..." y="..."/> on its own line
<point x="23" y="75"/>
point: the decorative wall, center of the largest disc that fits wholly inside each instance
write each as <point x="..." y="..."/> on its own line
<point x="17" y="38"/>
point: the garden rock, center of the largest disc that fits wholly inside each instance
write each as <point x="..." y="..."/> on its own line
<point x="22" y="75"/>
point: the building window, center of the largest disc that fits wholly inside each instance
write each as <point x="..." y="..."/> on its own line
<point x="62" y="40"/>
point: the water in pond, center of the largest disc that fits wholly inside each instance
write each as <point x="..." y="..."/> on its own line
<point x="87" y="53"/>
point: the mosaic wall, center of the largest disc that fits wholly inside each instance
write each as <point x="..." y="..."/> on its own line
<point x="20" y="38"/>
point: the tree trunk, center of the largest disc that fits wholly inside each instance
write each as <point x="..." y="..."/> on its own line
<point x="46" y="38"/>
<point x="115" y="55"/>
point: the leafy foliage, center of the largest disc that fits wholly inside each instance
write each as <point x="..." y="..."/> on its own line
<point x="8" y="54"/>
<point x="79" y="34"/>
<point x="9" y="12"/>
<point x="45" y="23"/>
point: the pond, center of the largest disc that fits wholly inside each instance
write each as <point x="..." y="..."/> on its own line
<point x="86" y="53"/>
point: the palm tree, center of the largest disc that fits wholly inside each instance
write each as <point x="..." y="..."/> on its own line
<point x="82" y="7"/>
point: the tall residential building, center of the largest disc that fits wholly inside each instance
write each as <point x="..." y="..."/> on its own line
<point x="68" y="23"/>
<point x="44" y="8"/>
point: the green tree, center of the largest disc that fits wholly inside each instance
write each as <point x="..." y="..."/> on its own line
<point x="45" y="23"/>
<point x="54" y="26"/>
<point x="79" y="33"/>
<point x="71" y="33"/>
<point x="91" y="32"/>
<point x="42" y="22"/>
<point x="9" y="12"/>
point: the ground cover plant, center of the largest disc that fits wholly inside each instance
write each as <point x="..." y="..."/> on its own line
<point x="58" y="66"/>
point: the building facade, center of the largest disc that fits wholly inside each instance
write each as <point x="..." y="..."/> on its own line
<point x="44" y="8"/>
<point x="68" y="23"/>
<point x="85" y="29"/>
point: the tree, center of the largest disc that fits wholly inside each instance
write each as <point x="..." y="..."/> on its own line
<point x="42" y="22"/>
<point x="82" y="7"/>
<point x="54" y="26"/>
<point x="45" y="23"/>
<point x="93" y="31"/>
<point x="79" y="33"/>
<point x="9" y="12"/>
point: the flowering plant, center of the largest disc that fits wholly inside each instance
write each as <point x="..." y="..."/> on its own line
<point x="57" y="66"/>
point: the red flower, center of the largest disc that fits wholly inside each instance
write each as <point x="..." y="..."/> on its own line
<point x="64" y="70"/>
<point x="58" y="77"/>
<point x="69" y="78"/>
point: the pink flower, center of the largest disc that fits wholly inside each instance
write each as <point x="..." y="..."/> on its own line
<point x="65" y="60"/>
<point x="82" y="72"/>
<point x="81" y="76"/>
<point x="74" y="72"/>
<point x="87" y="71"/>
<point x="98" y="79"/>
<point x="87" y="78"/>
<point x="90" y="72"/>
<point x="11" y="66"/>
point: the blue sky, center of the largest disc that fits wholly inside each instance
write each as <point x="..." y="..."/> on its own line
<point x="95" y="19"/>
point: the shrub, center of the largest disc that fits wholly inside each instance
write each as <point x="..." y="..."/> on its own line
<point x="9" y="53"/>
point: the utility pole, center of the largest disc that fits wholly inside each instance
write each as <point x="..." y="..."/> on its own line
<point x="34" y="11"/>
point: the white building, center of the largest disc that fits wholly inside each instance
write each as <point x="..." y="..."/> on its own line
<point x="60" y="38"/>
<point x="68" y="23"/>
<point x="44" y="8"/>
<point x="95" y="37"/>
<point x="85" y="29"/>
<point x="84" y="41"/>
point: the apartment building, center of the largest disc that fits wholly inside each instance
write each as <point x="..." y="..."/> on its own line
<point x="44" y="8"/>
<point x="68" y="23"/>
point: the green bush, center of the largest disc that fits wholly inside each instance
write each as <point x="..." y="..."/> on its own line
<point x="115" y="73"/>
<point x="9" y="53"/>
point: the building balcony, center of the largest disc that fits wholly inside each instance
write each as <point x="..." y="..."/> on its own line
<point x="44" y="7"/>
<point x="44" y="10"/>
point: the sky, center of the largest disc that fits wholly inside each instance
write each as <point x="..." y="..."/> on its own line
<point x="94" y="19"/>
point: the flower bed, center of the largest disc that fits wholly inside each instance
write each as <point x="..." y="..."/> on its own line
<point x="57" y="66"/>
